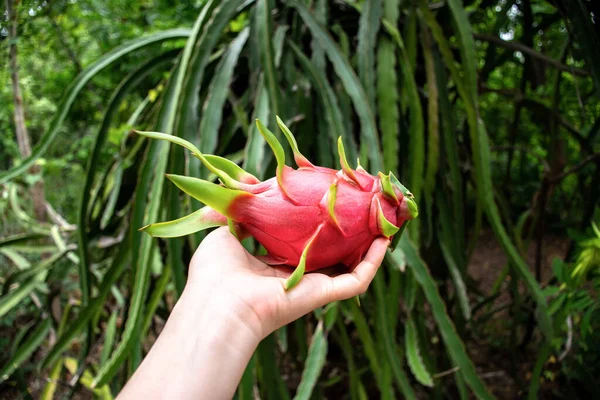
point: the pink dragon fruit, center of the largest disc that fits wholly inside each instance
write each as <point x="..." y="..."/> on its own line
<point x="310" y="218"/>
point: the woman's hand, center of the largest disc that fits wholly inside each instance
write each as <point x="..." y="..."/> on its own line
<point x="254" y="291"/>
<point x="230" y="303"/>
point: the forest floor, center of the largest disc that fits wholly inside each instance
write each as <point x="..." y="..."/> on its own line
<point x="494" y="363"/>
<point x="493" y="360"/>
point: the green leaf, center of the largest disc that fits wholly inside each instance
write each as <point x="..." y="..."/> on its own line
<point x="230" y="168"/>
<point x="389" y="345"/>
<point x="333" y="114"/>
<point x="26" y="349"/>
<point x="417" y="143"/>
<point x="201" y="219"/>
<point x="343" y="340"/>
<point x="15" y="296"/>
<point x="20" y="238"/>
<point x="35" y="270"/>
<point x="16" y="258"/>
<point x="454" y="345"/>
<point x="387" y="102"/>
<point x="277" y="149"/>
<point x="268" y="372"/>
<point x="298" y="273"/>
<point x="212" y="111"/>
<point x="85" y="315"/>
<point x="53" y="378"/>
<point x="246" y="387"/>
<point x="213" y="19"/>
<point x="263" y="28"/>
<point x="78" y="84"/>
<point x="348" y="171"/>
<point x="255" y="159"/>
<point x="451" y="251"/>
<point x="413" y="354"/>
<point x="367" y="342"/>
<point x="331" y="198"/>
<point x="215" y="196"/>
<point x="108" y="211"/>
<point x="23" y="218"/>
<point x="536" y="374"/>
<point x="451" y="152"/>
<point x="481" y="154"/>
<point x="433" y="145"/>
<point x="152" y="304"/>
<point x="351" y="83"/>
<point x="386" y="228"/>
<point x="467" y="45"/>
<point x="459" y="284"/>
<point x="129" y="83"/>
<point x="301" y="161"/>
<point x="101" y="393"/>
<point x="109" y="337"/>
<point x="368" y="27"/>
<point x="315" y="361"/>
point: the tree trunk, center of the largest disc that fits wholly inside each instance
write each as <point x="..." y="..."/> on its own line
<point x="37" y="191"/>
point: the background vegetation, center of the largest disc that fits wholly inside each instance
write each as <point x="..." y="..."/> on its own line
<point x="488" y="110"/>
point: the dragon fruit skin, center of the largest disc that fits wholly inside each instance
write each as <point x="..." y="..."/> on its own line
<point x="284" y="222"/>
<point x="310" y="218"/>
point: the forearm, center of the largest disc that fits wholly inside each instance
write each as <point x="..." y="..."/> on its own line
<point x="201" y="353"/>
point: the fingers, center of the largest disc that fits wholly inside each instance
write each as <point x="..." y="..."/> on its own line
<point x="358" y="281"/>
<point x="316" y="290"/>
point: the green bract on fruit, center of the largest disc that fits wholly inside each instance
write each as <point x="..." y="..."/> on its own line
<point x="310" y="218"/>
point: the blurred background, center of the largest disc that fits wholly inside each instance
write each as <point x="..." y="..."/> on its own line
<point x="487" y="110"/>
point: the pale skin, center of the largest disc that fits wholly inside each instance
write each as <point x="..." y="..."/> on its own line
<point x="230" y="303"/>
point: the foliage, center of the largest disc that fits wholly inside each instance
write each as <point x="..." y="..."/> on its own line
<point x="488" y="109"/>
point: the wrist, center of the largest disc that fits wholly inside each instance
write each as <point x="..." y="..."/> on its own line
<point x="203" y="349"/>
<point x="229" y="328"/>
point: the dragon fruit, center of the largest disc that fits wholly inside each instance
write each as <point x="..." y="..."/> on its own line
<point x="309" y="218"/>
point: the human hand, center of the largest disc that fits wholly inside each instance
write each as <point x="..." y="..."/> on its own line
<point x="230" y="303"/>
<point x="253" y="292"/>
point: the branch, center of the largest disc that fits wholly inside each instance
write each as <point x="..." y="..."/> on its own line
<point x="518" y="97"/>
<point x="19" y="114"/>
<point x="558" y="118"/>
<point x="65" y="44"/>
<point x="525" y="149"/>
<point x="591" y="158"/>
<point x="514" y="45"/>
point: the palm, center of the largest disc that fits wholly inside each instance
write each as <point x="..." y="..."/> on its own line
<point x="256" y="291"/>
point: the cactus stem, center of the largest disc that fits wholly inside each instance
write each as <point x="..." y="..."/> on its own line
<point x="398" y="235"/>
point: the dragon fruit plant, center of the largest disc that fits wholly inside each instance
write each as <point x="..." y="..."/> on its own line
<point x="309" y="218"/>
